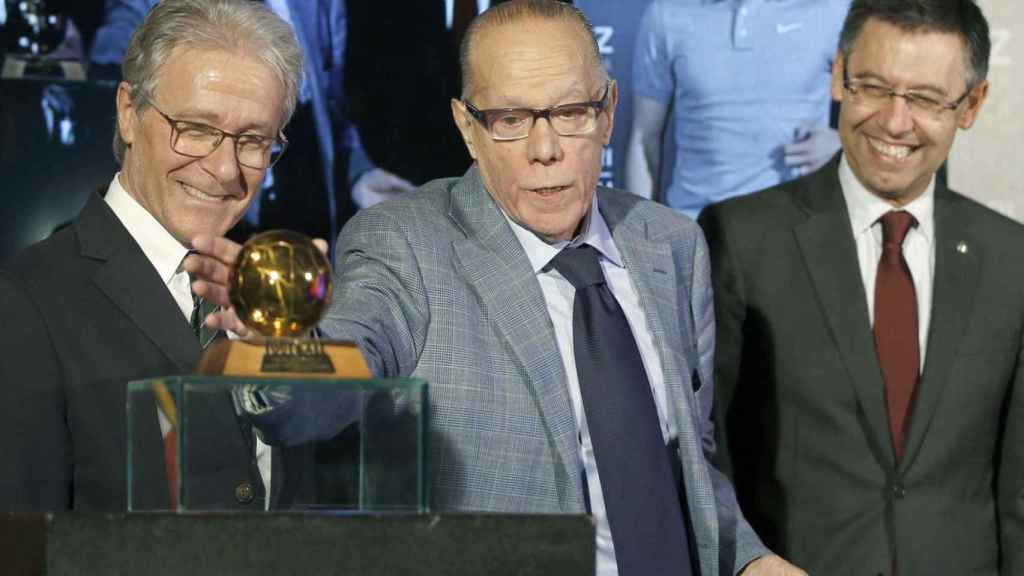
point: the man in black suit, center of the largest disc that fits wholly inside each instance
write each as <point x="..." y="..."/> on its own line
<point x="208" y="86"/>
<point x="870" y="387"/>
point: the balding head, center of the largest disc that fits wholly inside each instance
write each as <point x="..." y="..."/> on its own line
<point x="517" y="12"/>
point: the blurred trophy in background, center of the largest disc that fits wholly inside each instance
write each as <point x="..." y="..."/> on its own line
<point x="41" y="42"/>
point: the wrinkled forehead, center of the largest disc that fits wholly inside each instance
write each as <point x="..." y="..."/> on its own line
<point x="526" y="62"/>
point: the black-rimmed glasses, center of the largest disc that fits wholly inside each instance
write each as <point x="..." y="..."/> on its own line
<point x="198" y="140"/>
<point x="877" y="95"/>
<point x="573" y="119"/>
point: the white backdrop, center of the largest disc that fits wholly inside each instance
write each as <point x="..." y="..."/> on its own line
<point x="987" y="161"/>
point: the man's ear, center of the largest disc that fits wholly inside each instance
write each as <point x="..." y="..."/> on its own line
<point x="838" y="63"/>
<point x="613" y="100"/>
<point x="464" y="122"/>
<point x="975" y="99"/>
<point x="127" y="116"/>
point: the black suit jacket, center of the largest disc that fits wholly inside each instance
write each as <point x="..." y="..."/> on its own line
<point x="85" y="313"/>
<point x="800" y="410"/>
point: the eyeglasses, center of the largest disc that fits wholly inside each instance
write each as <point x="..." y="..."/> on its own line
<point x="198" y="140"/>
<point x="875" y="95"/>
<point x="573" y="119"/>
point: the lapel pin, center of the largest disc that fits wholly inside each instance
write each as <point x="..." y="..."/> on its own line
<point x="961" y="247"/>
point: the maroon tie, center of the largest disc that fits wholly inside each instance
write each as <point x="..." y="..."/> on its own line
<point x="896" y="324"/>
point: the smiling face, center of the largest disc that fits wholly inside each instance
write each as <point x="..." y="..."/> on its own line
<point x="893" y="150"/>
<point x="544" y="182"/>
<point x="193" y="196"/>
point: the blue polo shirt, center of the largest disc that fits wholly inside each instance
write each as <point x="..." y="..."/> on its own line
<point x="740" y="76"/>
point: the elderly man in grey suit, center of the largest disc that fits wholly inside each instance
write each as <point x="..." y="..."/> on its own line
<point x="870" y="393"/>
<point x="552" y="390"/>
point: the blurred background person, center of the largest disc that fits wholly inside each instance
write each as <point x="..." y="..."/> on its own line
<point x="398" y="97"/>
<point x="747" y="86"/>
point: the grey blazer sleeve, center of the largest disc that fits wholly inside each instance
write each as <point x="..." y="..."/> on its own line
<point x="380" y="301"/>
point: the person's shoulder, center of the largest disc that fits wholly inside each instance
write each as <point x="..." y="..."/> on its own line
<point x="768" y="205"/>
<point x="53" y="252"/>
<point x="985" y="220"/>
<point x="421" y="214"/>
<point x="44" y="267"/>
<point x="621" y="204"/>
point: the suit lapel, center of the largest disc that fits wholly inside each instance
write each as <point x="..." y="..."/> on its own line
<point x="131" y="283"/>
<point x="955" y="283"/>
<point x="653" y="272"/>
<point x="830" y="255"/>
<point x="494" y="264"/>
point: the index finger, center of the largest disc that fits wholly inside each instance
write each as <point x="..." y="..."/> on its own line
<point x="217" y="247"/>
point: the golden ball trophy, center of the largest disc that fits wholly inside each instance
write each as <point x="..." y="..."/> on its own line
<point x="280" y="287"/>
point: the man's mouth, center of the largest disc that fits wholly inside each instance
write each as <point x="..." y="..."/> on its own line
<point x="894" y="152"/>
<point x="196" y="193"/>
<point x="549" y="190"/>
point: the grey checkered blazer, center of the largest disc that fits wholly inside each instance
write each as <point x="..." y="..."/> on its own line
<point x="436" y="285"/>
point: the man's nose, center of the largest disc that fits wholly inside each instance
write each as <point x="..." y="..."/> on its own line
<point x="222" y="163"/>
<point x="896" y="117"/>
<point x="543" y="143"/>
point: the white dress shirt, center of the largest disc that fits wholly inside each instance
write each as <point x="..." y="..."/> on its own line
<point x="865" y="209"/>
<point x="162" y="249"/>
<point x="166" y="254"/>
<point x="449" y="10"/>
<point x="559" y="295"/>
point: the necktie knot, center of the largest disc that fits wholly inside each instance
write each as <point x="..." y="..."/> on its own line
<point x="580" y="266"/>
<point x="895" y="226"/>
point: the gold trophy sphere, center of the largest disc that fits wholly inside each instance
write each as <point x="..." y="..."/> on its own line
<point x="280" y="284"/>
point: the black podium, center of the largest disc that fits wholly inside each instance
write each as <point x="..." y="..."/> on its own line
<point x="256" y="544"/>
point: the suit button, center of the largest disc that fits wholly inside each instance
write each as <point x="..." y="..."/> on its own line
<point x="898" y="491"/>
<point x="244" y="493"/>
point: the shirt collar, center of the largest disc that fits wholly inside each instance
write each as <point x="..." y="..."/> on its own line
<point x="866" y="208"/>
<point x="595" y="233"/>
<point x="162" y="249"/>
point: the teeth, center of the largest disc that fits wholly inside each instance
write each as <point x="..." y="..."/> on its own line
<point x="197" y="193"/>
<point x="893" y="151"/>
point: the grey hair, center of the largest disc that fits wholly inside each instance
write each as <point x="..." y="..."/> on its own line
<point x="238" y="26"/>
<point x="961" y="17"/>
<point x="518" y="11"/>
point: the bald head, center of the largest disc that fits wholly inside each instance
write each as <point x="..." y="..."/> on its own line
<point x="518" y="12"/>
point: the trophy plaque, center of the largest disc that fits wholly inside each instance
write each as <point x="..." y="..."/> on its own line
<point x="280" y="287"/>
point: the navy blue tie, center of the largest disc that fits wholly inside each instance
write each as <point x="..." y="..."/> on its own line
<point x="641" y="496"/>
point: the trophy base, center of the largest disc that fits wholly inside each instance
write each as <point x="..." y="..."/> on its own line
<point x="16" y="67"/>
<point x="284" y="358"/>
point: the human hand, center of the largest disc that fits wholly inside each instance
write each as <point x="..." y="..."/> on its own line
<point x="377" y="185"/>
<point x="811" y="149"/>
<point x="771" y="565"/>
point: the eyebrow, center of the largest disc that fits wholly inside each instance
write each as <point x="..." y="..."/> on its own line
<point x="207" y="117"/>
<point x="916" y="88"/>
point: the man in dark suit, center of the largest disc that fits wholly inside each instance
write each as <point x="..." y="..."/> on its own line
<point x="208" y="86"/>
<point x="870" y="387"/>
